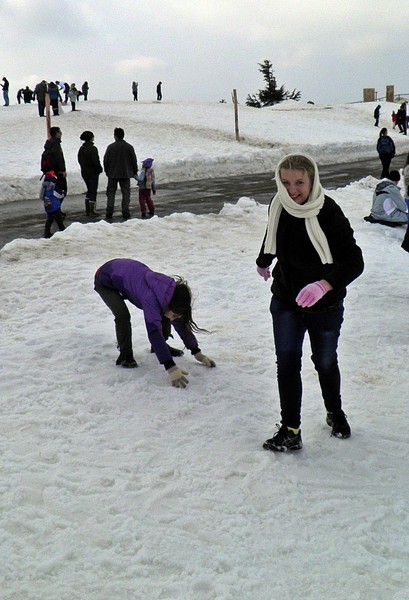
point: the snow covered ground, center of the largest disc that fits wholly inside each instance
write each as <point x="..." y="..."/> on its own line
<point x="117" y="486"/>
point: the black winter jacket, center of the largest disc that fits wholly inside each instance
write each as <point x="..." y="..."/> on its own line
<point x="88" y="159"/>
<point x="298" y="263"/>
<point x="120" y="160"/>
<point x="54" y="146"/>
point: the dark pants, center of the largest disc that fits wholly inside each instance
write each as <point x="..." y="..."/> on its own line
<point x="54" y="105"/>
<point x="125" y="185"/>
<point x="92" y="188"/>
<point x="62" y="183"/>
<point x="290" y="325"/>
<point x="119" y="309"/>
<point x="386" y="160"/>
<point x="41" y="107"/>
<point x="51" y="217"/>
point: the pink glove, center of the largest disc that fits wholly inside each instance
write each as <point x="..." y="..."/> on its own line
<point x="264" y="272"/>
<point x="310" y="294"/>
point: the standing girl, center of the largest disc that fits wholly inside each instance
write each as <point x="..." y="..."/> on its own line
<point x="386" y="150"/>
<point x="317" y="257"/>
<point x="147" y="184"/>
<point x="91" y="169"/>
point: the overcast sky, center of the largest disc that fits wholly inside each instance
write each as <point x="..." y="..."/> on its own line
<point x="202" y="49"/>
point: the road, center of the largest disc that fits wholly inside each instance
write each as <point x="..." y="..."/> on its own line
<point x="25" y="219"/>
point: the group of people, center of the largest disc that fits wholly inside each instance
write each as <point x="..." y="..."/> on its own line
<point x="399" y="118"/>
<point x="135" y="91"/>
<point x="55" y="89"/>
<point x="120" y="165"/>
<point x="316" y="257"/>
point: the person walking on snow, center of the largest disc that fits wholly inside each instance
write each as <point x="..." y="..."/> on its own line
<point x="317" y="257"/>
<point x="386" y="150"/>
<point x="159" y="297"/>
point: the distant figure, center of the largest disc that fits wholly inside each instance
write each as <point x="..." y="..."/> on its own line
<point x="146" y="184"/>
<point x="28" y="95"/>
<point x="91" y="169"/>
<point x="135" y="90"/>
<point x="84" y="89"/>
<point x="55" y="156"/>
<point x="19" y="95"/>
<point x="386" y="150"/>
<point x="73" y="96"/>
<point x="5" y="87"/>
<point x="66" y="92"/>
<point x="52" y="197"/>
<point x="393" y="119"/>
<point x="40" y="91"/>
<point x="401" y="119"/>
<point x="120" y="164"/>
<point x="159" y="91"/>
<point x="54" y="93"/>
<point x="376" y="114"/>
<point x="388" y="206"/>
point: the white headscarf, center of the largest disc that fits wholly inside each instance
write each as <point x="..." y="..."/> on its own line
<point x="307" y="211"/>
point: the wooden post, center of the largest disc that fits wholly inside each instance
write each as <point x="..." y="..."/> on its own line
<point x="236" y="115"/>
<point x="47" y="113"/>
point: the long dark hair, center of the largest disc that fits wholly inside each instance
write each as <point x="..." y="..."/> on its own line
<point x="181" y="305"/>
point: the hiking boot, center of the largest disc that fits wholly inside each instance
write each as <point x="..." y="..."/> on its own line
<point x="127" y="362"/>
<point x="338" y="422"/>
<point x="284" y="439"/>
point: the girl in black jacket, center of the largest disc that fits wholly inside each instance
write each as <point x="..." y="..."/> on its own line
<point x="317" y="257"/>
<point x="91" y="169"/>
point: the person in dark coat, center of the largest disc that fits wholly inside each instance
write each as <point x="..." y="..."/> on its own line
<point x="84" y="89"/>
<point x="159" y="297"/>
<point x="401" y="119"/>
<point x="317" y="257"/>
<point x="54" y="94"/>
<point x="20" y="95"/>
<point x="386" y="150"/>
<point x="135" y="90"/>
<point x="5" y="85"/>
<point x="376" y="114"/>
<point x="53" y="146"/>
<point x="120" y="164"/>
<point x="40" y="91"/>
<point x="91" y="169"/>
<point x="27" y="95"/>
<point x="159" y="91"/>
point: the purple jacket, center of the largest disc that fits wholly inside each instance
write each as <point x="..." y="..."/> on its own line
<point x="149" y="291"/>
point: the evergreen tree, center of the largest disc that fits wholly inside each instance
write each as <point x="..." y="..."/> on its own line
<point x="271" y="94"/>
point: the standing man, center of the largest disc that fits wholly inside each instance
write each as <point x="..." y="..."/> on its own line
<point x="84" y="89"/>
<point x="135" y="90"/>
<point x="5" y="87"/>
<point x="40" y="91"/>
<point x="53" y="159"/>
<point x="159" y="91"/>
<point x="376" y="114"/>
<point x="120" y="164"/>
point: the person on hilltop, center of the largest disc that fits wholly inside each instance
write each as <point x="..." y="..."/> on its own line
<point x="135" y="90"/>
<point x="401" y="119"/>
<point x="28" y="95"/>
<point x="85" y="89"/>
<point x="317" y="258"/>
<point x="40" y="91"/>
<point x="54" y="94"/>
<point x="146" y="184"/>
<point x="6" y="86"/>
<point x="377" y="114"/>
<point x="53" y="159"/>
<point x="159" y="91"/>
<point x="73" y="96"/>
<point x="120" y="164"/>
<point x="91" y="169"/>
<point x="388" y="206"/>
<point x="160" y="297"/>
<point x="386" y="150"/>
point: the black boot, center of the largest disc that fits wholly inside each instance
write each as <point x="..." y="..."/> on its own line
<point x="92" y="209"/>
<point x="87" y="211"/>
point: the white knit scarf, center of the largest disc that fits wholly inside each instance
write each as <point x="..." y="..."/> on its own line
<point x="307" y="211"/>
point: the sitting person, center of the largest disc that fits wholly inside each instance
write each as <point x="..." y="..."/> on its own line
<point x="388" y="206"/>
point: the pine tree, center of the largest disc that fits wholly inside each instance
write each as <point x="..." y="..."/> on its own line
<point x="271" y="94"/>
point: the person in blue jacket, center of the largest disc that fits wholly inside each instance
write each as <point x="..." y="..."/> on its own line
<point x="52" y="196"/>
<point x="159" y="297"/>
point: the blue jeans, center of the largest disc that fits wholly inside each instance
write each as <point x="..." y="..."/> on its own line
<point x="290" y="325"/>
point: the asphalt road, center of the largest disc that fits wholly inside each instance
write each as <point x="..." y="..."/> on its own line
<point x="25" y="219"/>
